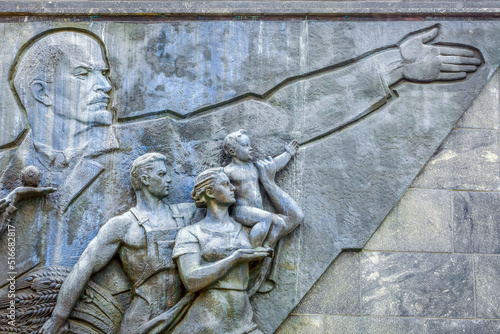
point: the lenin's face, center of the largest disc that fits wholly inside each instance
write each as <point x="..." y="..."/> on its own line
<point x="80" y="88"/>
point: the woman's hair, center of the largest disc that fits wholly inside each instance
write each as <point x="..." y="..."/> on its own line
<point x="203" y="181"/>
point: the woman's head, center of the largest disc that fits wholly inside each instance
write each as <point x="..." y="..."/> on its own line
<point x="212" y="184"/>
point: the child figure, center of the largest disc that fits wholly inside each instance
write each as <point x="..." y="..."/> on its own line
<point x="267" y="227"/>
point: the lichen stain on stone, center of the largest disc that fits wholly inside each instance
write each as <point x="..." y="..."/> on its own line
<point x="445" y="157"/>
<point x="490" y="156"/>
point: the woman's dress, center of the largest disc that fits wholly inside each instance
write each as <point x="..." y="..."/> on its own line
<point x="224" y="306"/>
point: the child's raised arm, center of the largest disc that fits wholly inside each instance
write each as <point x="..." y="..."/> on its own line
<point x="290" y="150"/>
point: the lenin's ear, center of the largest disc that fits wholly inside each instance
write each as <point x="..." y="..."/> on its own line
<point x="39" y="92"/>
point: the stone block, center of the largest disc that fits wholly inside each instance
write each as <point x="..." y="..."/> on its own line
<point x="475" y="219"/>
<point x="467" y="160"/>
<point x="337" y="291"/>
<point x="487" y="275"/>
<point x="456" y="326"/>
<point x="421" y="221"/>
<point x="413" y="284"/>
<point x="312" y="324"/>
<point x="483" y="113"/>
<point x="342" y="325"/>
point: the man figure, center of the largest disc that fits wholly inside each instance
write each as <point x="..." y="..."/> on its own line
<point x="143" y="237"/>
<point x="61" y="81"/>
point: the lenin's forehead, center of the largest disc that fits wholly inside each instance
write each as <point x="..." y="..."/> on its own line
<point x="76" y="46"/>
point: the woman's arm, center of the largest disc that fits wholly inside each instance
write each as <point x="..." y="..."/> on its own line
<point x="196" y="276"/>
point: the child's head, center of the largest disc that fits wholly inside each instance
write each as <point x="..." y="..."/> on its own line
<point x="237" y="145"/>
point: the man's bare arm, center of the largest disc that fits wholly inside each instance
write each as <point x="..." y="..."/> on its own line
<point x="97" y="254"/>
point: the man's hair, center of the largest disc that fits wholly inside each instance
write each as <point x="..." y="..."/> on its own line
<point x="141" y="166"/>
<point x="231" y="140"/>
<point x="39" y="58"/>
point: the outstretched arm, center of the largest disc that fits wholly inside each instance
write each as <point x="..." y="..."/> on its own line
<point x="283" y="159"/>
<point x="97" y="254"/>
<point x="196" y="276"/>
<point x="331" y="99"/>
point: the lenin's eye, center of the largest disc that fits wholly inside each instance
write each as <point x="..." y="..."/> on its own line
<point x="82" y="75"/>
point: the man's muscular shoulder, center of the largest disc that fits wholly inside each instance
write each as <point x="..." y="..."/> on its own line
<point x="118" y="228"/>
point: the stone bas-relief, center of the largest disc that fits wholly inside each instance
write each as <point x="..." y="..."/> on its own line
<point x="267" y="228"/>
<point x="30" y="177"/>
<point x="143" y="238"/>
<point x="340" y="113"/>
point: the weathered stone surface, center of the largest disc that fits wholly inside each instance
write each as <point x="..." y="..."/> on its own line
<point x="468" y="159"/>
<point x="475" y="219"/>
<point x="462" y="326"/>
<point x="180" y="87"/>
<point x="484" y="112"/>
<point x="487" y="276"/>
<point x="421" y="221"/>
<point x="314" y="324"/>
<point x="413" y="284"/>
<point x="252" y="8"/>
<point x="337" y="291"/>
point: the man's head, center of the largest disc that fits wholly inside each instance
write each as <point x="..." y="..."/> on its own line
<point x="149" y="173"/>
<point x="65" y="72"/>
<point x="237" y="145"/>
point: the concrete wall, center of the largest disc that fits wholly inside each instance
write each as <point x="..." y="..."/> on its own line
<point x="433" y="266"/>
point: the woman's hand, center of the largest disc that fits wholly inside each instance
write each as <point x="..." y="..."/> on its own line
<point x="266" y="169"/>
<point x="249" y="255"/>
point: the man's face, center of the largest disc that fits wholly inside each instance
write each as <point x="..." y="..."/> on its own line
<point x="159" y="180"/>
<point x="242" y="150"/>
<point x="81" y="85"/>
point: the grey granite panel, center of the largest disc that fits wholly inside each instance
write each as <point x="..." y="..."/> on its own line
<point x="475" y="219"/>
<point x="340" y="8"/>
<point x="462" y="327"/>
<point x="313" y="324"/>
<point x="467" y="160"/>
<point x="487" y="275"/>
<point x="412" y="284"/>
<point x="337" y="291"/>
<point x="421" y="221"/>
<point x="484" y="112"/>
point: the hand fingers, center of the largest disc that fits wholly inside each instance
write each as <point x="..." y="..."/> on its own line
<point x="451" y="76"/>
<point x="47" y="190"/>
<point x="428" y="35"/>
<point x="455" y="51"/>
<point x="458" y="68"/>
<point x="460" y="60"/>
<point x="247" y="251"/>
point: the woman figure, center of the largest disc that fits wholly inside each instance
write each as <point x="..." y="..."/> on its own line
<point x="213" y="259"/>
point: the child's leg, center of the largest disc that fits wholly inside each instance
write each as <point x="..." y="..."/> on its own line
<point x="266" y="226"/>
